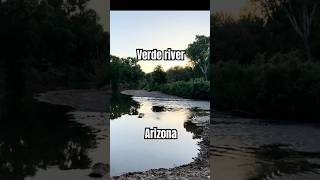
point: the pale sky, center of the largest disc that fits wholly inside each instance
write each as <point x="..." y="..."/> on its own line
<point x="131" y="30"/>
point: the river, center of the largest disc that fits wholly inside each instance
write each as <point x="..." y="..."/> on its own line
<point x="130" y="152"/>
<point x="44" y="141"/>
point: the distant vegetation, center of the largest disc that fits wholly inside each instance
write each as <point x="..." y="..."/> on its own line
<point x="267" y="64"/>
<point x="125" y="72"/>
<point x="188" y="82"/>
<point x="171" y="82"/>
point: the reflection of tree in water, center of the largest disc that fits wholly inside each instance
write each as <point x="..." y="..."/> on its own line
<point x="192" y="127"/>
<point x="123" y="104"/>
<point x="37" y="135"/>
<point x="277" y="159"/>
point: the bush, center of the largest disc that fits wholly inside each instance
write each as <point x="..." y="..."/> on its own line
<point x="282" y="86"/>
<point x="193" y="89"/>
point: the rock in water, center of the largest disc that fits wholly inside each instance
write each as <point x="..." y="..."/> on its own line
<point x="99" y="170"/>
<point x="140" y="115"/>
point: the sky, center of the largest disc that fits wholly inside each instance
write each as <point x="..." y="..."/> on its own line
<point x="131" y="30"/>
<point x="102" y="8"/>
<point x="227" y="6"/>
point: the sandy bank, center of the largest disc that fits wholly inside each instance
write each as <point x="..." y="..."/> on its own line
<point x="144" y="93"/>
<point x="81" y="99"/>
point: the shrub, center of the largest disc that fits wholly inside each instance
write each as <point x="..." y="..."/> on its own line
<point x="282" y="86"/>
<point x="193" y="89"/>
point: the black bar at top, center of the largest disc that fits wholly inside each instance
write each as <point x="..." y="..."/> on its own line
<point x="159" y="5"/>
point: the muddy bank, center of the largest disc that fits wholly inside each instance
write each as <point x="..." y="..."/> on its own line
<point x="90" y="109"/>
<point x="198" y="169"/>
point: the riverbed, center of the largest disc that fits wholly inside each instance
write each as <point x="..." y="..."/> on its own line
<point x="249" y="149"/>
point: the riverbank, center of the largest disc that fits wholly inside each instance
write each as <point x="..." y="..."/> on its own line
<point x="91" y="100"/>
<point x="144" y="93"/>
<point x="90" y="109"/>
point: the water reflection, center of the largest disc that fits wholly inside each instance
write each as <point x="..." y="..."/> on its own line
<point x="131" y="152"/>
<point x="37" y="135"/>
<point x="123" y="104"/>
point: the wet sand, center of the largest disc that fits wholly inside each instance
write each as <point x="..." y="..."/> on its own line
<point x="244" y="149"/>
<point x="90" y="100"/>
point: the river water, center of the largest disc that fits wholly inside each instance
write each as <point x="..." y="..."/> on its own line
<point x="43" y="141"/>
<point x="130" y="152"/>
<point x="253" y="149"/>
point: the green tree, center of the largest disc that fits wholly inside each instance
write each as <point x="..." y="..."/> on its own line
<point x="158" y="75"/>
<point x="198" y="52"/>
<point x="125" y="71"/>
<point x="179" y="73"/>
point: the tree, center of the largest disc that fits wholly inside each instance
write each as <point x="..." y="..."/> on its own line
<point x="198" y="52"/>
<point x="179" y="73"/>
<point x="125" y="71"/>
<point x="302" y="28"/>
<point x="51" y="43"/>
<point x="299" y="12"/>
<point x="159" y="76"/>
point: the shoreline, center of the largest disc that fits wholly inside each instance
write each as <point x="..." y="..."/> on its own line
<point x="154" y="94"/>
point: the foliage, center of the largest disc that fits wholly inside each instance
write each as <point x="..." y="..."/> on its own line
<point x="179" y="73"/>
<point x="198" y="52"/>
<point x="193" y="89"/>
<point x="158" y="76"/>
<point x="42" y="37"/>
<point x="125" y="71"/>
<point x="283" y="86"/>
<point x="261" y="65"/>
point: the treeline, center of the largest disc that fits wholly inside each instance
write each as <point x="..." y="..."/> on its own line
<point x="180" y="81"/>
<point x="51" y="44"/>
<point x="266" y="64"/>
<point x="188" y="82"/>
